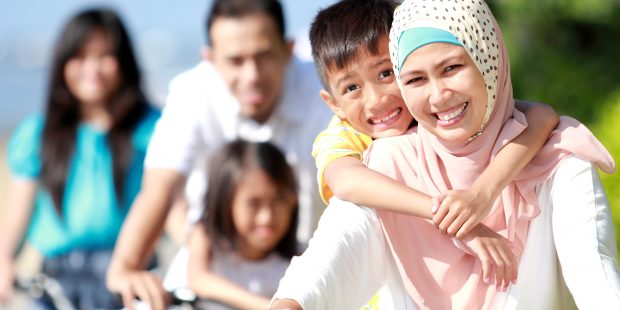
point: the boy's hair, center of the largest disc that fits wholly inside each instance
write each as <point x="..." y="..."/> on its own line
<point x="227" y="169"/>
<point x="339" y="31"/>
<point x="242" y="8"/>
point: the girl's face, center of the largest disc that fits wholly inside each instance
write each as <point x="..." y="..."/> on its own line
<point x="92" y="75"/>
<point x="261" y="213"/>
<point x="444" y="91"/>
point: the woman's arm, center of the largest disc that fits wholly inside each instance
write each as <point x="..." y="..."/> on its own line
<point x="209" y="285"/>
<point x="350" y="180"/>
<point x="20" y="202"/>
<point x="461" y="210"/>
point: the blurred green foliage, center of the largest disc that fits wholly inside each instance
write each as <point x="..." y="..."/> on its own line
<point x="566" y="53"/>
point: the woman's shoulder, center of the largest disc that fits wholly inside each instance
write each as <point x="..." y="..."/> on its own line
<point x="393" y="147"/>
<point x="29" y="128"/>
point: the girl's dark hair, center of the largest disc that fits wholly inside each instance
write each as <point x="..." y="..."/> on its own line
<point x="242" y="8"/>
<point x="226" y="170"/>
<point x="339" y="31"/>
<point x="62" y="114"/>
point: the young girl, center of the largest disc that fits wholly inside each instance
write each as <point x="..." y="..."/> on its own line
<point x="243" y="244"/>
<point x="76" y="169"/>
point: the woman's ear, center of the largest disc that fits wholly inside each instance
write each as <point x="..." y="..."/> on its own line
<point x="332" y="104"/>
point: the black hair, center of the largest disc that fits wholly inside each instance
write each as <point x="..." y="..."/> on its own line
<point x="242" y="8"/>
<point x="339" y="31"/>
<point x="226" y="171"/>
<point x="62" y="113"/>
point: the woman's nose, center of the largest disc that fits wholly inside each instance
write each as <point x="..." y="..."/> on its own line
<point x="438" y="91"/>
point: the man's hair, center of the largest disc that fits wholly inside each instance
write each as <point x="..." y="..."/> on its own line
<point x="342" y="29"/>
<point x="242" y="8"/>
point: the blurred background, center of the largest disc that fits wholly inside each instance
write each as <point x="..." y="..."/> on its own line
<point x="564" y="53"/>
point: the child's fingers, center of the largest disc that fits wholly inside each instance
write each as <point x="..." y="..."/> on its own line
<point x="466" y="228"/>
<point x="437" y="201"/>
<point x="441" y="214"/>
<point x="456" y="225"/>
<point x="435" y="204"/>
<point x="486" y="267"/>
<point x="446" y="222"/>
<point x="499" y="265"/>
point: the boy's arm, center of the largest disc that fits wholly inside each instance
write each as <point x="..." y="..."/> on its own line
<point x="350" y="180"/>
<point x="461" y="210"/>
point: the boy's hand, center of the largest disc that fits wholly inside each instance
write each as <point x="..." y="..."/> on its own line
<point x="499" y="263"/>
<point x="456" y="212"/>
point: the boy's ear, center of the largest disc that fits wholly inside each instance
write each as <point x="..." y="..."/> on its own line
<point x="206" y="53"/>
<point x="332" y="104"/>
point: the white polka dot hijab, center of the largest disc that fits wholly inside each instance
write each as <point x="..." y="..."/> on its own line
<point x="468" y="23"/>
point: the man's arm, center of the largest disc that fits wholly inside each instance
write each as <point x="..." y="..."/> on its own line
<point x="461" y="210"/>
<point x="137" y="239"/>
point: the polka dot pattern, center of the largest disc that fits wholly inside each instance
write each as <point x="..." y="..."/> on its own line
<point x="470" y="21"/>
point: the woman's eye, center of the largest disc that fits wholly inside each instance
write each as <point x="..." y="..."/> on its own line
<point x="413" y="80"/>
<point x="386" y="74"/>
<point x="452" y="67"/>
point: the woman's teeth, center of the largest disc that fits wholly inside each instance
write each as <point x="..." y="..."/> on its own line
<point x="386" y="118"/>
<point x="451" y="114"/>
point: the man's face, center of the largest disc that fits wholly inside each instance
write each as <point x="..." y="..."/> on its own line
<point x="251" y="57"/>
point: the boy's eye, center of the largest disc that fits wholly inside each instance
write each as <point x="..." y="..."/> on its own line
<point x="386" y="74"/>
<point x="351" y="88"/>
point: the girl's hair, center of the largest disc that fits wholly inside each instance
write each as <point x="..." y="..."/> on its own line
<point x="227" y="169"/>
<point x="62" y="116"/>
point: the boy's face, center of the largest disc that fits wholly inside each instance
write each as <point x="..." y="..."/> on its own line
<point x="366" y="95"/>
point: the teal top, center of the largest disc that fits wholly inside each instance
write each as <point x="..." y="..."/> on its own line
<point x="92" y="216"/>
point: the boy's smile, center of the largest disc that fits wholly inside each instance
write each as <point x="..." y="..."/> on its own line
<point x="366" y="95"/>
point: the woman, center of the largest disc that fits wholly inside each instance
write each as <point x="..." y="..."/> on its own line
<point x="451" y="63"/>
<point x="76" y="169"/>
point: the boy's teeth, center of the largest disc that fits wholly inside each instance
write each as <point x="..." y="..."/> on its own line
<point x="387" y="118"/>
<point x="453" y="113"/>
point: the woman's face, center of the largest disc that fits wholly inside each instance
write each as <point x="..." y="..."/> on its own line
<point x="92" y="74"/>
<point x="444" y="91"/>
<point x="262" y="213"/>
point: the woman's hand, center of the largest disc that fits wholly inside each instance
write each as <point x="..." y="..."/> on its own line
<point x="499" y="263"/>
<point x="7" y="278"/>
<point x="140" y="284"/>
<point x="456" y="212"/>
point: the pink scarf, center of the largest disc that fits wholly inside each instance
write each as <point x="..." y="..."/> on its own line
<point x="436" y="273"/>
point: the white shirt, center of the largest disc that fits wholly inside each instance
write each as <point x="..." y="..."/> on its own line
<point x="347" y="260"/>
<point x="201" y="115"/>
